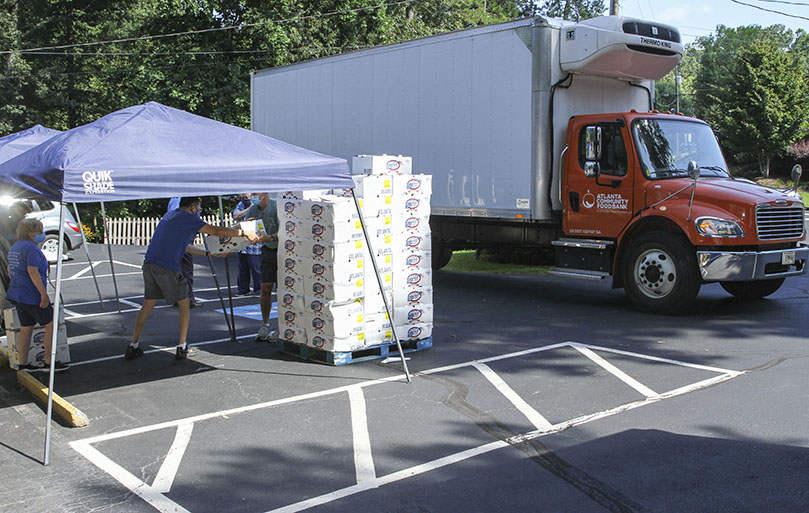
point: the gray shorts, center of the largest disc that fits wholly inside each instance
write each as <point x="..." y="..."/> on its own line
<point x="269" y="264"/>
<point x="162" y="283"/>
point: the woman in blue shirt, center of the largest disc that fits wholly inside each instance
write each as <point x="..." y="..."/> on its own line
<point x="28" y="268"/>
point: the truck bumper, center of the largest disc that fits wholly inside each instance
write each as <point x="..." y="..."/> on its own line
<point x="752" y="265"/>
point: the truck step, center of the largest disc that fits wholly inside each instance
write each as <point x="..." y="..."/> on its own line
<point x="583" y="243"/>
<point x="579" y="273"/>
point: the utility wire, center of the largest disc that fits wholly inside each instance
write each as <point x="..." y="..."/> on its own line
<point x="771" y="10"/>
<point x="785" y="2"/>
<point x="215" y="29"/>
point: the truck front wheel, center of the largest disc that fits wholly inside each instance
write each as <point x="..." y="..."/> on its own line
<point x="752" y="289"/>
<point x="660" y="274"/>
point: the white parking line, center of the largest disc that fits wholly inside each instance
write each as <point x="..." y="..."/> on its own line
<point x="615" y="371"/>
<point x="539" y="422"/>
<point x="363" y="458"/>
<point x="165" y="476"/>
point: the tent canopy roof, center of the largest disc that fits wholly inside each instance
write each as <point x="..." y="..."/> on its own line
<point x="22" y="141"/>
<point x="155" y="151"/>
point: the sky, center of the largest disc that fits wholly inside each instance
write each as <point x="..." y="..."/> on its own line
<point x="696" y="18"/>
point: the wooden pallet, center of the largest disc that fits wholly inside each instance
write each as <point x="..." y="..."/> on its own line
<point x="345" y="357"/>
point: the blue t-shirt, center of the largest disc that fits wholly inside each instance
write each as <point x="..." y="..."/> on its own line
<point x="270" y="218"/>
<point x="24" y="254"/>
<point x="173" y="234"/>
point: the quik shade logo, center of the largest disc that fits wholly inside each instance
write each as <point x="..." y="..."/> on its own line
<point x="98" y="182"/>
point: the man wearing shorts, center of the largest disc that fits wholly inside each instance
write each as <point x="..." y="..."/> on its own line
<point x="162" y="275"/>
<point x="265" y="210"/>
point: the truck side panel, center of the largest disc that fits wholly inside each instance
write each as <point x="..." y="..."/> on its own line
<point x="459" y="104"/>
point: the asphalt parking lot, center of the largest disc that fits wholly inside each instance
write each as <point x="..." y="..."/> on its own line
<point x="538" y="395"/>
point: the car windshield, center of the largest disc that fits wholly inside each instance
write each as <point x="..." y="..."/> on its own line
<point x="667" y="146"/>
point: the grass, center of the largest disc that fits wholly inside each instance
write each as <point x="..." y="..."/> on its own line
<point x="465" y="261"/>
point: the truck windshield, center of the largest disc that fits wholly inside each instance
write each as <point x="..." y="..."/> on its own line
<point x="666" y="146"/>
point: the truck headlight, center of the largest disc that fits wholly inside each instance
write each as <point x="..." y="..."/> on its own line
<point x="715" y="227"/>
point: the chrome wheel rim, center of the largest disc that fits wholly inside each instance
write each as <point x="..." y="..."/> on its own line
<point x="655" y="273"/>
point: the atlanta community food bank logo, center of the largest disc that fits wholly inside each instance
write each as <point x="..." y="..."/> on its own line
<point x="98" y="182"/>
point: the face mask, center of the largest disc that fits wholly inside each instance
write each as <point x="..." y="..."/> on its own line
<point x="39" y="239"/>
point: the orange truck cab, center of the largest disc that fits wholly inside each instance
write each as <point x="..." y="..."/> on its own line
<point x="648" y="199"/>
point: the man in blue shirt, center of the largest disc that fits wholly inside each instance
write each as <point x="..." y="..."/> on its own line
<point x="266" y="211"/>
<point x="187" y="262"/>
<point x="162" y="275"/>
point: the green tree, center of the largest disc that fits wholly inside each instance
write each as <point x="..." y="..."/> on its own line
<point x="573" y="10"/>
<point x="755" y="90"/>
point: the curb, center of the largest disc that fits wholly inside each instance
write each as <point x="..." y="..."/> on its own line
<point x="69" y="413"/>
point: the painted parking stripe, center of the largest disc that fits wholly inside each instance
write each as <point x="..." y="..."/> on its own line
<point x="363" y="458"/>
<point x="530" y="413"/>
<point x="362" y="453"/>
<point x="165" y="476"/>
<point x="615" y="371"/>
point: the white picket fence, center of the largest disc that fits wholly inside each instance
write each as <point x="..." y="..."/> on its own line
<point x="138" y="231"/>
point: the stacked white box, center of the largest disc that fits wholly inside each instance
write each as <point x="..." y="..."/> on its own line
<point x="332" y="326"/>
<point x="378" y="164"/>
<point x="36" y="348"/>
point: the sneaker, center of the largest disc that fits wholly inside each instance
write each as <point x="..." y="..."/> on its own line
<point x="263" y="334"/>
<point x="245" y="293"/>
<point x="273" y="336"/>
<point x="182" y="354"/>
<point x="195" y="305"/>
<point x="57" y="367"/>
<point x="29" y="368"/>
<point x="132" y="352"/>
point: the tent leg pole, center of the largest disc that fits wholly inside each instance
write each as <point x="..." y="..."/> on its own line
<point x="55" y="337"/>
<point x="231" y="329"/>
<point x="109" y="252"/>
<point x="227" y="272"/>
<point x="381" y="287"/>
<point x="87" y="253"/>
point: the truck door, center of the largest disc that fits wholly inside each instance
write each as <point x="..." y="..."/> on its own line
<point x="597" y="190"/>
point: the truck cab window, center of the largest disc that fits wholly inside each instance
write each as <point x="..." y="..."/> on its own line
<point x="613" y="159"/>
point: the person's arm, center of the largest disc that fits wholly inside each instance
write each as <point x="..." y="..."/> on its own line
<point x="224" y="231"/>
<point x="36" y="279"/>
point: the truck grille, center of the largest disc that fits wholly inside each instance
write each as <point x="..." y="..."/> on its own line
<point x="779" y="222"/>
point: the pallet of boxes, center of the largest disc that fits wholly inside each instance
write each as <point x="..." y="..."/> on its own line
<point x="330" y="305"/>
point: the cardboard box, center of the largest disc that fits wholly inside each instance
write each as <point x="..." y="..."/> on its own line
<point x="413" y="185"/>
<point x="291" y="266"/>
<point x="413" y="297"/>
<point x="377" y="338"/>
<point x="337" y="271"/>
<point x="337" y="344"/>
<point x="333" y="251"/>
<point x="408" y="261"/>
<point x="412" y="314"/>
<point x="334" y="320"/>
<point x="332" y="232"/>
<point x="377" y="322"/>
<point x="335" y="291"/>
<point x="376" y="164"/>
<point x="376" y="206"/>
<point x="410" y="206"/>
<point x="291" y="228"/>
<point x="303" y="195"/>
<point x="414" y="224"/>
<point x="412" y="243"/>
<point x="221" y="245"/>
<point x="417" y="279"/>
<point x="368" y="185"/>
<point x="286" y="208"/>
<point x="291" y="283"/>
<point x="292" y="301"/>
<point x="293" y="334"/>
<point x="414" y="332"/>
<point x="36" y="348"/>
<point x="332" y="209"/>
<point x="291" y="317"/>
<point x="373" y="304"/>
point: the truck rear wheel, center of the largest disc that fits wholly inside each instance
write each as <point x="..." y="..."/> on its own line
<point x="441" y="256"/>
<point x="752" y="289"/>
<point x="660" y="274"/>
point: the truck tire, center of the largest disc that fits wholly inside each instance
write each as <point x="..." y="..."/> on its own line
<point x="752" y="289"/>
<point x="660" y="273"/>
<point x="441" y="256"/>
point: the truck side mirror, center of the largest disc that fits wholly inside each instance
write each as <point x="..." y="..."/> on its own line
<point x="693" y="170"/>
<point x="797" y="170"/>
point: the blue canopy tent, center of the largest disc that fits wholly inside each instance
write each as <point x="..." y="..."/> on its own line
<point x="20" y="142"/>
<point x="155" y="151"/>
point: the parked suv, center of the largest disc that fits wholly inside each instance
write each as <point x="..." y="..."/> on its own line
<point x="47" y="212"/>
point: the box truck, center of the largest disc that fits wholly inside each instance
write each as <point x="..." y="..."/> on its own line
<point x="541" y="132"/>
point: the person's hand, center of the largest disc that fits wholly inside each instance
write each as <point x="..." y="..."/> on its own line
<point x="252" y="237"/>
<point x="268" y="238"/>
<point x="44" y="300"/>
